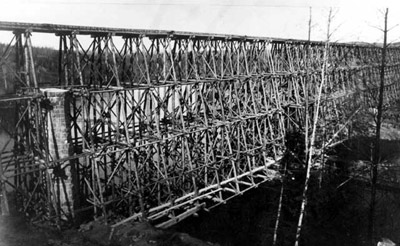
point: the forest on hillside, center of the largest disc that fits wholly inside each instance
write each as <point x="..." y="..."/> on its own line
<point x="46" y="65"/>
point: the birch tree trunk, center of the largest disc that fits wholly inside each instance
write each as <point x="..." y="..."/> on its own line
<point x="305" y="89"/>
<point x="313" y="134"/>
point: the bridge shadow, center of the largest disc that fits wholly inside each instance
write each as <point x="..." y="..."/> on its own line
<point x="361" y="148"/>
<point x="334" y="214"/>
<point x="356" y="154"/>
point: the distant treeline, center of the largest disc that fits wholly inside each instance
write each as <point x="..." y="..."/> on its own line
<point x="46" y="66"/>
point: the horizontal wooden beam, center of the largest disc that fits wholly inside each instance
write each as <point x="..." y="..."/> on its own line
<point x="101" y="31"/>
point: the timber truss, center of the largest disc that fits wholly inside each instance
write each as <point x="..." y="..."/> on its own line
<point x="162" y="124"/>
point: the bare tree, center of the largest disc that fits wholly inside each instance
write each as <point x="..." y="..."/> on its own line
<point x="305" y="89"/>
<point x="313" y="132"/>
<point x="278" y="216"/>
<point x="377" y="147"/>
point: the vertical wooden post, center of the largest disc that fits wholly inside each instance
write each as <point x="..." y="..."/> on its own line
<point x="5" y="210"/>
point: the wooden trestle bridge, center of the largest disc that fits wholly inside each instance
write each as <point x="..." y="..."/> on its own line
<point x="161" y="124"/>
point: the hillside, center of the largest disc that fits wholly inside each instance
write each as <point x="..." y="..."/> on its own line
<point x="46" y="65"/>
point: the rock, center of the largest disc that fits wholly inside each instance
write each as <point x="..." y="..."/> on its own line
<point x="183" y="239"/>
<point x="140" y="233"/>
<point x="386" y="242"/>
<point x="144" y="234"/>
<point x="97" y="233"/>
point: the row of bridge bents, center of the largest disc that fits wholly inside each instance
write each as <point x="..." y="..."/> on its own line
<point x="159" y="60"/>
<point x="162" y="59"/>
<point x="165" y="125"/>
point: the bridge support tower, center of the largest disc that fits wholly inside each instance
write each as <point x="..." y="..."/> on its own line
<point x="63" y="172"/>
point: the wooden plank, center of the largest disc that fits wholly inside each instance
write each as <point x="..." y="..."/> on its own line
<point x="127" y="32"/>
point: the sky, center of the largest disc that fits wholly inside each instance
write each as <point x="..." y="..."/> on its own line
<point x="354" y="20"/>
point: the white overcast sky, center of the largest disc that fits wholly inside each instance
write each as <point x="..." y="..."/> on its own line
<point x="355" y="20"/>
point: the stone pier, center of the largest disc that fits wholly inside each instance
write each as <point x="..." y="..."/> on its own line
<point x="59" y="148"/>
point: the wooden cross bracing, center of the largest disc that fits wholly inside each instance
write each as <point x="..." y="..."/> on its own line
<point x="163" y="124"/>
